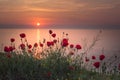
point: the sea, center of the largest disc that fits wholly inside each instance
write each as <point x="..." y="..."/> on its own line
<point x="108" y="39"/>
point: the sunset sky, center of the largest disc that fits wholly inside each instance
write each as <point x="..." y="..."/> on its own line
<point x="60" y="13"/>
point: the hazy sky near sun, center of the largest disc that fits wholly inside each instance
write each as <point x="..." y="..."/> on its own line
<point x="60" y="12"/>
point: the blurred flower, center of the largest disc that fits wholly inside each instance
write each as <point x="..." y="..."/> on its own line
<point x="71" y="45"/>
<point x="11" y="48"/>
<point x="29" y="46"/>
<point x="22" y="46"/>
<point x="22" y="35"/>
<point x="8" y="55"/>
<point x="55" y="41"/>
<point x="35" y="45"/>
<point x="12" y="39"/>
<point x="6" y="49"/>
<point x="86" y="59"/>
<point x="101" y="57"/>
<point x="96" y="64"/>
<point x="49" y="74"/>
<point x="41" y="45"/>
<point x="119" y="66"/>
<point x="93" y="57"/>
<point x="53" y="35"/>
<point x="71" y="53"/>
<point x="50" y="31"/>
<point x="71" y="67"/>
<point x="48" y="43"/>
<point x="78" y="46"/>
<point x="65" y="42"/>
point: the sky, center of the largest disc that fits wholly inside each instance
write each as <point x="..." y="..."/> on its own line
<point x="60" y="13"/>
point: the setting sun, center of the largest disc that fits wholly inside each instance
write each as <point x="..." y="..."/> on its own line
<point x="38" y="24"/>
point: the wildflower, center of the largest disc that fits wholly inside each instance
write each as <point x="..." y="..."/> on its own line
<point x="50" y="31"/>
<point x="29" y="46"/>
<point x="49" y="74"/>
<point x="71" y="53"/>
<point x="12" y="39"/>
<point x="22" y="46"/>
<point x="22" y="35"/>
<point x="8" y="55"/>
<point x="53" y="35"/>
<point x="93" y="57"/>
<point x="101" y="57"/>
<point x="11" y="48"/>
<point x="41" y="45"/>
<point x="86" y="59"/>
<point x="52" y="43"/>
<point x="6" y="49"/>
<point x="119" y="66"/>
<point x="48" y="43"/>
<point x="78" y="46"/>
<point x="35" y="45"/>
<point x="65" y="42"/>
<point x="71" y="45"/>
<point x="71" y="67"/>
<point x="96" y="64"/>
<point x="55" y="41"/>
<point x="29" y="51"/>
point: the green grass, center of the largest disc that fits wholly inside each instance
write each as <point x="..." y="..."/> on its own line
<point x="53" y="67"/>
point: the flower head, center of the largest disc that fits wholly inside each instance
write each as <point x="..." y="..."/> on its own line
<point x="93" y="57"/>
<point x="41" y="45"/>
<point x="101" y="57"/>
<point x="71" y="45"/>
<point x="29" y="46"/>
<point x="65" y="42"/>
<point x="22" y="35"/>
<point x="12" y="39"/>
<point x="35" y="45"/>
<point x="50" y="31"/>
<point x="22" y="46"/>
<point x="78" y="46"/>
<point x="6" y="49"/>
<point x="96" y="64"/>
<point x="53" y="35"/>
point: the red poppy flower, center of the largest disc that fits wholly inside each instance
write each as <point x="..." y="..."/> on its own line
<point x="22" y="35"/>
<point x="71" y="53"/>
<point x="71" y="67"/>
<point x="78" y="46"/>
<point x="48" y="43"/>
<point x="22" y="46"/>
<point x="55" y="41"/>
<point x="41" y="45"/>
<point x="6" y="49"/>
<point x="86" y="59"/>
<point x="53" y="35"/>
<point x="49" y="74"/>
<point x="29" y="46"/>
<point x="101" y="57"/>
<point x="35" y="45"/>
<point x="96" y="64"/>
<point x="93" y="57"/>
<point x="71" y="46"/>
<point x="50" y="31"/>
<point x="12" y="39"/>
<point x="8" y="55"/>
<point x="65" y="42"/>
<point x="11" y="48"/>
<point x="52" y="43"/>
<point x="119" y="66"/>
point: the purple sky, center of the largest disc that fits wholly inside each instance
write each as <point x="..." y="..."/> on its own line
<point x="60" y="13"/>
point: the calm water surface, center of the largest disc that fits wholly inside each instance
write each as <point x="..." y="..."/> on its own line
<point x="109" y="39"/>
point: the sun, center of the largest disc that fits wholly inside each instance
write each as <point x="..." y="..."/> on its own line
<point x="38" y="24"/>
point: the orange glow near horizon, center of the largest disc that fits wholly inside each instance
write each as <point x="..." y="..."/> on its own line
<point x="38" y="24"/>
